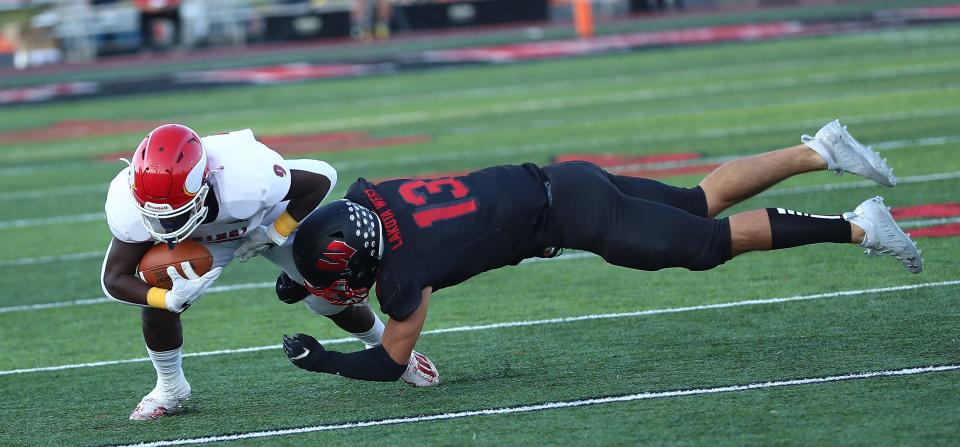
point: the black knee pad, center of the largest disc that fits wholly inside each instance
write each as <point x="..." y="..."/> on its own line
<point x="289" y="291"/>
<point x="717" y="250"/>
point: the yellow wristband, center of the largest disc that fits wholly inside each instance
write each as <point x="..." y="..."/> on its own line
<point x="285" y="224"/>
<point x="157" y="297"/>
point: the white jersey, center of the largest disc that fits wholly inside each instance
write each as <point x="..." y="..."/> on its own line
<point x="247" y="178"/>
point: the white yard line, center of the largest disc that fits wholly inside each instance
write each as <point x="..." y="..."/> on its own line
<point x="929" y="222"/>
<point x="49" y="259"/>
<point x="549" y="321"/>
<point x="100" y="300"/>
<point x="53" y="192"/>
<point x="860" y="184"/>
<point x="21" y="223"/>
<point x="779" y="383"/>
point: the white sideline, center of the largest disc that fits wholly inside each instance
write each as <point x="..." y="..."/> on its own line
<point x="510" y="324"/>
<point x="551" y="406"/>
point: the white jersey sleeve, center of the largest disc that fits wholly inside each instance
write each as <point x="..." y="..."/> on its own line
<point x="317" y="167"/>
<point x="248" y="176"/>
<point x="122" y="214"/>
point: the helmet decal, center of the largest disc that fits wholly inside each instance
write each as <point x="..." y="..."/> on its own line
<point x="337" y="255"/>
<point x="195" y="178"/>
<point x="158" y="207"/>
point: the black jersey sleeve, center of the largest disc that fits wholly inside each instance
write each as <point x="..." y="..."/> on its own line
<point x="398" y="300"/>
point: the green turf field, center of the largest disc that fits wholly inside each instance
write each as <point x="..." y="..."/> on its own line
<point x="898" y="89"/>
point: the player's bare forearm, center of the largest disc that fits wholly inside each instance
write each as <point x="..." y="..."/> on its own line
<point x="400" y="336"/>
<point x="307" y="190"/>
<point x="118" y="278"/>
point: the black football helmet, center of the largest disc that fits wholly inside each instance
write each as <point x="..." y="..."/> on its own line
<point x="337" y="250"/>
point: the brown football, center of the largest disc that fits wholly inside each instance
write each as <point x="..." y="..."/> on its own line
<point x="153" y="265"/>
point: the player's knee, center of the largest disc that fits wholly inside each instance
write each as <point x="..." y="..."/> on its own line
<point x="716" y="251"/>
<point x="323" y="307"/>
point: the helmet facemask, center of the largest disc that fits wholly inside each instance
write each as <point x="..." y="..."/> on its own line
<point x="339" y="292"/>
<point x="174" y="225"/>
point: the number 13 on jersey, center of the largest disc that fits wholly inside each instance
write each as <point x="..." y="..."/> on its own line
<point x="431" y="199"/>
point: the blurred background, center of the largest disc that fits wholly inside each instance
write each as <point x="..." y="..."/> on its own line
<point x="40" y="37"/>
<point x="41" y="32"/>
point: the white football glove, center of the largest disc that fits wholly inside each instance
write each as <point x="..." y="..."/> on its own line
<point x="187" y="290"/>
<point x="259" y="241"/>
<point x="421" y="372"/>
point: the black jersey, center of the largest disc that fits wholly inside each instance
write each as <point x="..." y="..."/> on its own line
<point x="440" y="232"/>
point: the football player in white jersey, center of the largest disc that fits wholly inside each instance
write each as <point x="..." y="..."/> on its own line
<point x="240" y="199"/>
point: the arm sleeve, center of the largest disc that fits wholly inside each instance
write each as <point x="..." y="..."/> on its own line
<point x="372" y="364"/>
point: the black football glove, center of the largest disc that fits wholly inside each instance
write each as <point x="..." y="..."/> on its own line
<point x="289" y="291"/>
<point x="305" y="352"/>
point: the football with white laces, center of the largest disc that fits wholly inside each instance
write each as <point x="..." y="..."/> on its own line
<point x="153" y="265"/>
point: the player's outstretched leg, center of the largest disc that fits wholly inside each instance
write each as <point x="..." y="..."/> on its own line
<point x="832" y="148"/>
<point x="163" y="335"/>
<point x="871" y="225"/>
<point x="594" y="214"/>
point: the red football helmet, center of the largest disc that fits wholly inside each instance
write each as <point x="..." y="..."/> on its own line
<point x="168" y="179"/>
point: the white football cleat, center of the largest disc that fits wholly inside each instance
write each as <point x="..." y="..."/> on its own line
<point x="158" y="404"/>
<point x="421" y="372"/>
<point x="883" y="235"/>
<point x="845" y="154"/>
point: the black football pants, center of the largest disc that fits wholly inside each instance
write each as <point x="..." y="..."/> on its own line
<point x="635" y="222"/>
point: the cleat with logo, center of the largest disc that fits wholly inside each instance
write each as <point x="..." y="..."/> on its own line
<point x="158" y="404"/>
<point x="421" y="372"/>
<point x="883" y="235"/>
<point x="845" y="154"/>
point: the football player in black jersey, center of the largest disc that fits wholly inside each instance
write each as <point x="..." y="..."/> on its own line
<point x="413" y="237"/>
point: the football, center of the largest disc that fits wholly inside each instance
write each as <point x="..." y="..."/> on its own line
<point x="153" y="265"/>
